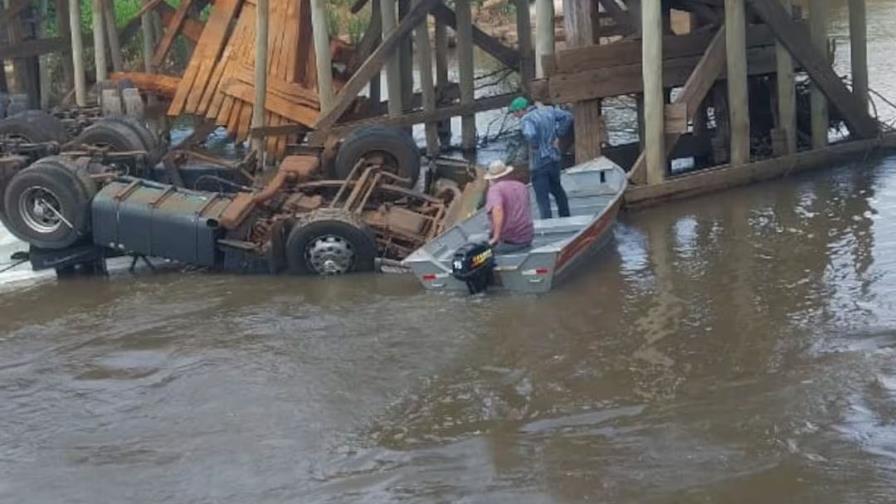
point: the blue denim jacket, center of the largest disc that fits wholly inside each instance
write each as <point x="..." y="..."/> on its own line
<point x="541" y="126"/>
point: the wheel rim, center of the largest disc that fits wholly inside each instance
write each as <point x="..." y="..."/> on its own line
<point x="384" y="159"/>
<point x="40" y="209"/>
<point x="330" y="255"/>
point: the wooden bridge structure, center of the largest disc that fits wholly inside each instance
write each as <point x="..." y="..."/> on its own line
<point x="723" y="91"/>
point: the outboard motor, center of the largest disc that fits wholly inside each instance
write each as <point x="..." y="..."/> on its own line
<point x="474" y="264"/>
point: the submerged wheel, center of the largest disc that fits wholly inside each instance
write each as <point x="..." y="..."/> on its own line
<point x="391" y="147"/>
<point x="48" y="203"/>
<point x="330" y="243"/>
<point x="34" y="126"/>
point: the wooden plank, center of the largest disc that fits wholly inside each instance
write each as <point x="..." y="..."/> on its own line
<point x="628" y="52"/>
<point x="466" y="72"/>
<point x="191" y="28"/>
<point x="160" y="84"/>
<point x="727" y="176"/>
<point x="524" y="42"/>
<point x="654" y="100"/>
<point x="619" y="15"/>
<point x="795" y="37"/>
<point x="209" y="47"/>
<point x="578" y="23"/>
<point x="370" y="67"/>
<point x="172" y="28"/>
<point x="786" y="97"/>
<point x="505" y="55"/>
<point x="273" y="103"/>
<point x="617" y="81"/>
<point x="738" y="96"/>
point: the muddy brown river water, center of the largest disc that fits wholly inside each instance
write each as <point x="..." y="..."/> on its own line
<point x="734" y="348"/>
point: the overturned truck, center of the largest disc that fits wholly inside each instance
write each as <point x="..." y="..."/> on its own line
<point x="80" y="208"/>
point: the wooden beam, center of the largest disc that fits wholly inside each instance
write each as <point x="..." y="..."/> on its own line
<point x="544" y="33"/>
<point x="172" y="28"/>
<point x="74" y="17"/>
<point x="618" y="14"/>
<point x="727" y="176"/>
<point x="505" y="55"/>
<point x="427" y="85"/>
<point x="858" y="49"/>
<point x="786" y="94"/>
<point x="738" y="96"/>
<point x="654" y="101"/>
<point x="393" y="65"/>
<point x="795" y="37"/>
<point x="466" y="71"/>
<point x="322" y="54"/>
<point x="622" y="80"/>
<point x="99" y="41"/>
<point x="524" y="42"/>
<point x="577" y="21"/>
<point x="262" y="24"/>
<point x="148" y="36"/>
<point x="370" y="67"/>
<point x="443" y="84"/>
<point x="818" y="105"/>
<point x="160" y="84"/>
<point x="695" y="90"/>
<point x="62" y="26"/>
<point x="112" y="35"/>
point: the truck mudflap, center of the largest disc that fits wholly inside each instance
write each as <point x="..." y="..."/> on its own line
<point x="143" y="217"/>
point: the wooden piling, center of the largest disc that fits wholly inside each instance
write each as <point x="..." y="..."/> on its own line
<point x="544" y="33"/>
<point x="74" y="18"/>
<point x="44" y="62"/>
<point x="654" y="102"/>
<point x="62" y="26"/>
<point x="99" y="41"/>
<point x="858" y="50"/>
<point x="465" y="71"/>
<point x="524" y="42"/>
<point x="818" y="19"/>
<point x="440" y="37"/>
<point x="577" y="20"/>
<point x="393" y="66"/>
<point x="322" y="54"/>
<point x="786" y="94"/>
<point x="406" y="62"/>
<point x="427" y="86"/>
<point x="149" y="39"/>
<point x="112" y="34"/>
<point x="738" y="95"/>
<point x="262" y="21"/>
<point x="375" y="86"/>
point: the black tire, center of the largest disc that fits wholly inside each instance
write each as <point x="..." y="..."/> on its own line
<point x="51" y="181"/>
<point x="334" y="229"/>
<point x="150" y="141"/>
<point x="34" y="126"/>
<point x="395" y="147"/>
<point x="119" y="135"/>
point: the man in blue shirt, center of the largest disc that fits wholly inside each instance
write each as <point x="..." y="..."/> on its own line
<point x="541" y="127"/>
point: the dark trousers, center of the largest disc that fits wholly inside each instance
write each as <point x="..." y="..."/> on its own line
<point x="546" y="182"/>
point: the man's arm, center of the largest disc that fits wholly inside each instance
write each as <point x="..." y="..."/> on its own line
<point x="564" y="121"/>
<point x="497" y="224"/>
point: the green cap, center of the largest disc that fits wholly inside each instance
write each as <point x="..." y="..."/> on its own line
<point x="519" y="103"/>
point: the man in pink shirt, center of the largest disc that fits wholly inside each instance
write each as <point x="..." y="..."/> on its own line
<point x="507" y="203"/>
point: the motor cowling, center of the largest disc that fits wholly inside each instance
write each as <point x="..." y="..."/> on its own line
<point x="474" y="264"/>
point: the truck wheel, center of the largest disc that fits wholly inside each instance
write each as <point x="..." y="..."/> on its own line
<point x="117" y="136"/>
<point x="150" y="141"/>
<point x="34" y="126"/>
<point x="392" y="147"/>
<point x="48" y="204"/>
<point x="330" y="243"/>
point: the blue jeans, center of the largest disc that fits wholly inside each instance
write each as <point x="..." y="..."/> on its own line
<point x="546" y="182"/>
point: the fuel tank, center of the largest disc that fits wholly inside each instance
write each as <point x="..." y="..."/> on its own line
<point x="143" y="217"/>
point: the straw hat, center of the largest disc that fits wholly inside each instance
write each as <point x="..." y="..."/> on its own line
<point x="497" y="169"/>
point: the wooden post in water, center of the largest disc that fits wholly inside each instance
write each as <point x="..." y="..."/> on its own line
<point x="112" y="34"/>
<point x="786" y="94"/>
<point x="149" y="39"/>
<point x="375" y="91"/>
<point x="262" y="18"/>
<point x="465" y="71"/>
<point x="858" y="50"/>
<point x="427" y="86"/>
<point x="524" y="42"/>
<point x="442" y="82"/>
<point x="74" y="18"/>
<point x="99" y="41"/>
<point x="44" y="61"/>
<point x="654" y="102"/>
<point x="738" y="96"/>
<point x="544" y="33"/>
<point x="393" y="67"/>
<point x="818" y="20"/>
<point x="322" y="54"/>
<point x="577" y="21"/>
<point x="62" y="25"/>
<point x="406" y="62"/>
